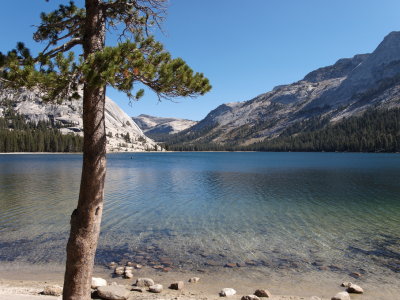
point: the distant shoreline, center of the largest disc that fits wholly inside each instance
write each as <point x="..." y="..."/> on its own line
<point x="135" y="152"/>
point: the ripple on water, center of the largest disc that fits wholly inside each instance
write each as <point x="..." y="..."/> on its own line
<point x="277" y="211"/>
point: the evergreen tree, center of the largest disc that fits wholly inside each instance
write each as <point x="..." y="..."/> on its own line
<point x="59" y="75"/>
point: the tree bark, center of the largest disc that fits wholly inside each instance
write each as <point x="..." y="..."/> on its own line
<point x="86" y="218"/>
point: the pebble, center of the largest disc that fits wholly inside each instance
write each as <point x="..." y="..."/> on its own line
<point x="194" y="279"/>
<point x="341" y="296"/>
<point x="52" y="290"/>
<point x="113" y="292"/>
<point x="226" y="292"/>
<point x="158" y="267"/>
<point x="250" y="297"/>
<point x="355" y="275"/>
<point x="230" y="265"/>
<point x="263" y="293"/>
<point x="128" y="275"/>
<point x="143" y="282"/>
<point x="354" y="289"/>
<point x="119" y="270"/>
<point x="138" y="289"/>
<point x="346" y="284"/>
<point x="178" y="285"/>
<point x="167" y="269"/>
<point x="250" y="262"/>
<point x="212" y="263"/>
<point x="97" y="281"/>
<point x="157" y="288"/>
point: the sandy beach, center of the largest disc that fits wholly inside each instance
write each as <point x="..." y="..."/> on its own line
<point x="19" y="283"/>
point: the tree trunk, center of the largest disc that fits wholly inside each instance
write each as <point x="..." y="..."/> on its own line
<point x="86" y="218"/>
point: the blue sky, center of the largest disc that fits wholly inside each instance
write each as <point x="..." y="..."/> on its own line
<point x="245" y="47"/>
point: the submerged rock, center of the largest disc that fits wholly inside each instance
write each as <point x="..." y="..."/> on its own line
<point x="97" y="281"/>
<point x="113" y="292"/>
<point x="341" y="296"/>
<point x="263" y="293"/>
<point x="226" y="292"/>
<point x="355" y="274"/>
<point x="157" y="288"/>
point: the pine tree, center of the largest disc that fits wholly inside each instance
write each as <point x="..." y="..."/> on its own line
<point x="138" y="58"/>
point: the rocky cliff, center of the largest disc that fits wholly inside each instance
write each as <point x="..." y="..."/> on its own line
<point x="122" y="132"/>
<point x="158" y="125"/>
<point x="348" y="88"/>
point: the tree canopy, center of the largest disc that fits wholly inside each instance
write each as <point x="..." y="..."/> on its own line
<point x="58" y="72"/>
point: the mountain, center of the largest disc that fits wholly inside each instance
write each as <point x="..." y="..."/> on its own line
<point x="158" y="125"/>
<point x="122" y="132"/>
<point x="331" y="94"/>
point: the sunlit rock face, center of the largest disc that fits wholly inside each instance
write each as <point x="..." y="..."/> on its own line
<point x="347" y="88"/>
<point x="122" y="132"/>
<point x="157" y="125"/>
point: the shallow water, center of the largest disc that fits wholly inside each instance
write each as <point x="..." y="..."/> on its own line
<point x="276" y="212"/>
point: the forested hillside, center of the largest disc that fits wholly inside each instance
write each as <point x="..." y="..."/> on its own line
<point x="19" y="135"/>
<point x="374" y="131"/>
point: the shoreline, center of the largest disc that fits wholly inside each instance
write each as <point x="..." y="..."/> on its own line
<point x="28" y="281"/>
<point x="136" y="152"/>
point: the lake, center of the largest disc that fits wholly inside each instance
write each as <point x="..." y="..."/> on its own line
<point x="306" y="212"/>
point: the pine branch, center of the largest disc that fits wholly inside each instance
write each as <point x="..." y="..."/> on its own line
<point x="62" y="48"/>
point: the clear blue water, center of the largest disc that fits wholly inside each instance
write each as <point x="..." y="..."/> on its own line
<point x="327" y="212"/>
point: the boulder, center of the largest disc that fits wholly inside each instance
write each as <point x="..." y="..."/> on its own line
<point x="97" y="281"/>
<point x="178" y="285"/>
<point x="354" y="289"/>
<point x="263" y="293"/>
<point x="194" y="279"/>
<point x="226" y="292"/>
<point x="113" y="292"/>
<point x="250" y="297"/>
<point x="341" y="296"/>
<point x="52" y="290"/>
<point x="157" y="288"/>
<point x="144" y="282"/>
